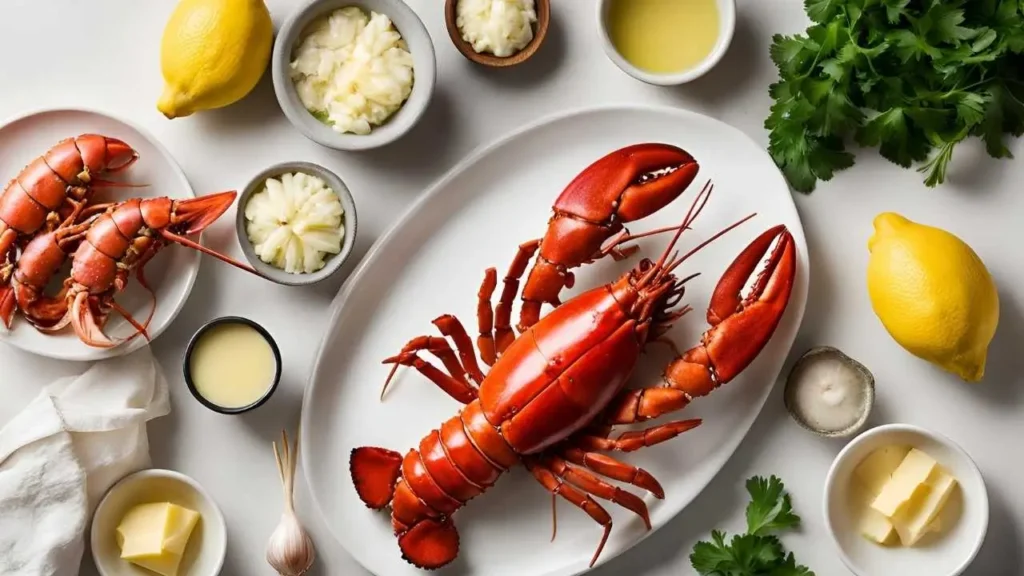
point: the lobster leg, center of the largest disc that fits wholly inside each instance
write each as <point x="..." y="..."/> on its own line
<point x="614" y="469"/>
<point x="452" y="327"/>
<point x="460" y="390"/>
<point x="637" y="439"/>
<point x="557" y="486"/>
<point x="503" y="312"/>
<point x="593" y="485"/>
<point x="485" y="317"/>
<point x="454" y="382"/>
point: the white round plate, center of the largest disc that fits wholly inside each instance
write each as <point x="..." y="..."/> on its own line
<point x="171" y="273"/>
<point x="432" y="261"/>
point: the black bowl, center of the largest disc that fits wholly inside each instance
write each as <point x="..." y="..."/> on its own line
<point x="187" y="368"/>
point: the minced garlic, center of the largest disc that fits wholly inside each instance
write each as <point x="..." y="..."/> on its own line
<point x="295" y="223"/>
<point x="353" y="70"/>
<point x="501" y="27"/>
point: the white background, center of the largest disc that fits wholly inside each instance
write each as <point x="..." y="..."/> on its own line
<point x="105" y="54"/>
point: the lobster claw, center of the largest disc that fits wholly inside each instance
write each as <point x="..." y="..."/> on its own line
<point x="742" y="326"/>
<point x="630" y="183"/>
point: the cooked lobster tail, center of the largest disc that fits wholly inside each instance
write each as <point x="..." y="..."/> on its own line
<point x="452" y="465"/>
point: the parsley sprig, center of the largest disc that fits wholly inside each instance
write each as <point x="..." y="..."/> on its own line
<point x="911" y="77"/>
<point x="758" y="552"/>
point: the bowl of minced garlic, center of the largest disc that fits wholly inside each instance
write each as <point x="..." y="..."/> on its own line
<point x="497" y="33"/>
<point x="296" y="223"/>
<point x="353" y="74"/>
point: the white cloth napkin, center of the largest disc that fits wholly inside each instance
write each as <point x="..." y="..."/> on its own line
<point x="64" y="451"/>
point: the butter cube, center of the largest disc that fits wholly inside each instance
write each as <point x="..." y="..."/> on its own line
<point x="912" y="472"/>
<point x="165" y="564"/>
<point x="876" y="527"/>
<point x="154" y="536"/>
<point x="877" y="468"/>
<point x="141" y="532"/>
<point x="913" y="520"/>
<point x="183" y="521"/>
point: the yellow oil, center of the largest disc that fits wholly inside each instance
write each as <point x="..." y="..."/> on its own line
<point x="663" y="36"/>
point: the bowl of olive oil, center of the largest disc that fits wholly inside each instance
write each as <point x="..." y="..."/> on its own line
<point x="666" y="42"/>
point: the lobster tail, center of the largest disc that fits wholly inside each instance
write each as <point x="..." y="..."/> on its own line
<point x="430" y="483"/>
<point x="420" y="515"/>
<point x="374" y="474"/>
<point x="430" y="544"/>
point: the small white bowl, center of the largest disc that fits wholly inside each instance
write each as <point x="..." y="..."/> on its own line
<point x="956" y="546"/>
<point x="420" y="46"/>
<point x="207" y="546"/>
<point x="726" y="28"/>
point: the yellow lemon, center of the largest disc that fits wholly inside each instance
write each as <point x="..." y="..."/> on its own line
<point x="213" y="53"/>
<point x="933" y="294"/>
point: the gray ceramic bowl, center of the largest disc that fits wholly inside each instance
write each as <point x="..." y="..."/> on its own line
<point x="333" y="263"/>
<point x="420" y="46"/>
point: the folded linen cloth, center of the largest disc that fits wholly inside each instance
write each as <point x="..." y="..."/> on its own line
<point x="61" y="453"/>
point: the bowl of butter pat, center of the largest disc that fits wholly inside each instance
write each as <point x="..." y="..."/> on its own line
<point x="353" y="74"/>
<point x="900" y="499"/>
<point x="158" y="522"/>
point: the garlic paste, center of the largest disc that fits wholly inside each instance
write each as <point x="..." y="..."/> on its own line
<point x="501" y="27"/>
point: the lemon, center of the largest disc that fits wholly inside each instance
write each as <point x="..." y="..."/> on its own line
<point x="213" y="53"/>
<point x="933" y="294"/>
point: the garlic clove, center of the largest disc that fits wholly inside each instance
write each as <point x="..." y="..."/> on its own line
<point x="290" y="550"/>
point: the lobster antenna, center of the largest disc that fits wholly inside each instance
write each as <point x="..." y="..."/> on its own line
<point x="695" y="210"/>
<point x="691" y="214"/>
<point x="718" y="235"/>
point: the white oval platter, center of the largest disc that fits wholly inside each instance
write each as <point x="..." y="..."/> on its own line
<point x="432" y="261"/>
<point x="171" y="273"/>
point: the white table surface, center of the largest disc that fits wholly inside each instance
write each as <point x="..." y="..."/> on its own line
<point x="105" y="54"/>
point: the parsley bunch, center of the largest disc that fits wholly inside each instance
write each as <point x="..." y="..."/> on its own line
<point x="756" y="553"/>
<point x="912" y="77"/>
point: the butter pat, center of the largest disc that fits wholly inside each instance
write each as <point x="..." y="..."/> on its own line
<point x="875" y="471"/>
<point x="154" y="536"/>
<point x="876" y="527"/>
<point x="870" y="523"/>
<point x="913" y="471"/>
<point x="913" y="520"/>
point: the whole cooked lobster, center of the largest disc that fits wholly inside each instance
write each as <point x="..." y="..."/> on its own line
<point x="51" y="191"/>
<point x="105" y="250"/>
<point x="554" y="393"/>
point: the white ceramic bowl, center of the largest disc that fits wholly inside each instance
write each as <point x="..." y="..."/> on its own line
<point x="420" y="46"/>
<point x="204" y="555"/>
<point x="955" y="547"/>
<point x="726" y="28"/>
<point x="334" y="262"/>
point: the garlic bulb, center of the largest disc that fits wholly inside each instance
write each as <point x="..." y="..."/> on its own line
<point x="290" y="549"/>
<point x="295" y="222"/>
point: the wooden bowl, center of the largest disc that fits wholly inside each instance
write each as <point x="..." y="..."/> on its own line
<point x="540" y="31"/>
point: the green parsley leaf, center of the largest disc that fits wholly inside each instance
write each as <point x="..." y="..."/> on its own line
<point x="756" y="553"/>
<point x="822" y="11"/>
<point x="769" y="508"/>
<point x="911" y="79"/>
<point x="790" y="568"/>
